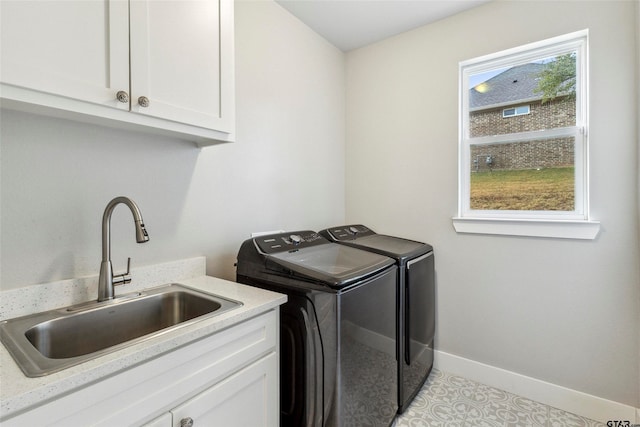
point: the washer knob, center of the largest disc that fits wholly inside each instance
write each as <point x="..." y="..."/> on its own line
<point x="295" y="239"/>
<point x="354" y="230"/>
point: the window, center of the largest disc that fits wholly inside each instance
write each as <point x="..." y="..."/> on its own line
<point x="523" y="164"/>
<point x="517" y="111"/>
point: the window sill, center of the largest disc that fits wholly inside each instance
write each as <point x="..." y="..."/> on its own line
<point x="528" y="227"/>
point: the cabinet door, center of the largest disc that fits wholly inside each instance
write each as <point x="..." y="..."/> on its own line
<point x="182" y="61"/>
<point x="248" y="398"/>
<point x="75" y="48"/>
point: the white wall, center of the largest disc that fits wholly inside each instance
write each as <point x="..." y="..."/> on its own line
<point x="286" y="170"/>
<point x="563" y="311"/>
<point x="638" y="165"/>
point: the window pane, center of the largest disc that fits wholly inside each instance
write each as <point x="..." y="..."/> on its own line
<point x="533" y="175"/>
<point x="547" y="86"/>
<point x="523" y="132"/>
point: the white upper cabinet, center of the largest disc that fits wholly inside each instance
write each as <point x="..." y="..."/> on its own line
<point x="176" y="60"/>
<point x="78" y="49"/>
<point x="171" y="61"/>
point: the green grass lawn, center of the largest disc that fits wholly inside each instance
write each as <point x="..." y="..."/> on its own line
<point x="546" y="189"/>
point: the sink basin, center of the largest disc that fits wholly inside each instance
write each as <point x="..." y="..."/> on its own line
<point x="48" y="342"/>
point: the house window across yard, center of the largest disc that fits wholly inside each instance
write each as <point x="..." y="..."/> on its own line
<point x="523" y="158"/>
<point x="516" y="111"/>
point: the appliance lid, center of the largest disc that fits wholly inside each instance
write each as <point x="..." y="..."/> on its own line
<point x="330" y="263"/>
<point x="395" y="246"/>
<point x="360" y="236"/>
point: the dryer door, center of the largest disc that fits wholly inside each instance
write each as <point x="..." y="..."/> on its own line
<point x="419" y="321"/>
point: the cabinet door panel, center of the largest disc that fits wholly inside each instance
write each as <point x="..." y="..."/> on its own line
<point x="163" y="420"/>
<point x="75" y="48"/>
<point x="177" y="66"/>
<point x="247" y="398"/>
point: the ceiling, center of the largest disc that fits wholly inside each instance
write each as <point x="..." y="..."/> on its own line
<point x="350" y="24"/>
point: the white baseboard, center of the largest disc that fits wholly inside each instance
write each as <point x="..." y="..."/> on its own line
<point x="569" y="400"/>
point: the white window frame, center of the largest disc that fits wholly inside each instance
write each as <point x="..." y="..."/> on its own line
<point x="562" y="224"/>
<point x="516" y="112"/>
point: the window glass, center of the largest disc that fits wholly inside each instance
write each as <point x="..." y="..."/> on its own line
<point x="523" y="145"/>
<point x="518" y="111"/>
<point x="536" y="175"/>
<point x="505" y="90"/>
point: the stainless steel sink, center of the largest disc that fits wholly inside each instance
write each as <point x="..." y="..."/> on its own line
<point x="48" y="342"/>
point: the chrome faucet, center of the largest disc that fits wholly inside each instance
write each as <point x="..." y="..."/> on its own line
<point x="107" y="280"/>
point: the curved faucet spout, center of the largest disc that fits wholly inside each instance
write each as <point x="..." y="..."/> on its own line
<point x="141" y="232"/>
<point x="106" y="281"/>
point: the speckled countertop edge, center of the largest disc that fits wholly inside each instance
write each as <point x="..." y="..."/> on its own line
<point x="19" y="393"/>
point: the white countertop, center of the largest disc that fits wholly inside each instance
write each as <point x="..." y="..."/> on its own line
<point x="19" y="393"/>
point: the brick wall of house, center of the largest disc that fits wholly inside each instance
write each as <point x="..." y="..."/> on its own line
<point x="558" y="113"/>
<point x="527" y="155"/>
<point x="523" y="155"/>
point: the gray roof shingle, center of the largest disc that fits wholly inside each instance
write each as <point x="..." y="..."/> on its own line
<point x="513" y="85"/>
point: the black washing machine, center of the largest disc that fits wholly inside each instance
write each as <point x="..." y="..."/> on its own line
<point x="337" y="329"/>
<point x="416" y="301"/>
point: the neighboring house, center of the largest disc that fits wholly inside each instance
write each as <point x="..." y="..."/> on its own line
<point x="508" y="103"/>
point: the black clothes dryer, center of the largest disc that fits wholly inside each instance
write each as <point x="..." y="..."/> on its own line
<point x="416" y="301"/>
<point x="337" y="329"/>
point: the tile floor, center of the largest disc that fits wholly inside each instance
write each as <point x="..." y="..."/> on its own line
<point x="451" y="401"/>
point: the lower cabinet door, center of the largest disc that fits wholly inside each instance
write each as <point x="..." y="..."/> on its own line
<point x="248" y="398"/>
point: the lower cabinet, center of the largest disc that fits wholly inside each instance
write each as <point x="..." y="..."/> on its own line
<point x="227" y="379"/>
<point x="245" y="399"/>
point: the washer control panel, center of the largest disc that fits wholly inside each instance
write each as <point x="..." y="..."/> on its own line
<point x="290" y="241"/>
<point x="350" y="232"/>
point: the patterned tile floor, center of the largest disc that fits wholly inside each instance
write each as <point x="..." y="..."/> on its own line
<point x="451" y="401"/>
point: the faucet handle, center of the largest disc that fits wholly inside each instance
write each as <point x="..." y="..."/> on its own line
<point x="123" y="279"/>
<point x="128" y="273"/>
